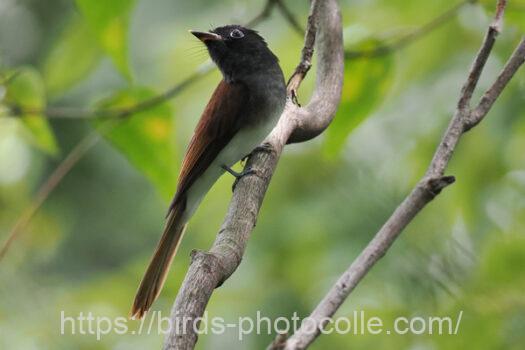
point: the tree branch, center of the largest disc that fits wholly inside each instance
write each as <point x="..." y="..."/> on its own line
<point x="210" y="269"/>
<point x="92" y="138"/>
<point x="290" y="17"/>
<point x="79" y="113"/>
<point x="65" y="166"/>
<point x="115" y="113"/>
<point x="264" y="14"/>
<point x="380" y="50"/>
<point x="490" y="96"/>
<point x="306" y="54"/>
<point x="481" y="58"/>
<point x="428" y="187"/>
<point x="409" y="38"/>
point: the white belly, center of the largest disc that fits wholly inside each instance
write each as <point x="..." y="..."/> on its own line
<point x="240" y="146"/>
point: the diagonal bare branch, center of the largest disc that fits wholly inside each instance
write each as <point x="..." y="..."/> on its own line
<point x="290" y="17"/>
<point x="77" y="153"/>
<point x="383" y="49"/>
<point x="115" y="113"/>
<point x="481" y="57"/>
<point x="425" y="191"/>
<point x="492" y="94"/>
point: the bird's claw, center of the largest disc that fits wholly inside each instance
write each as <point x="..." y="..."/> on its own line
<point x="237" y="175"/>
<point x="265" y="147"/>
<point x="246" y="172"/>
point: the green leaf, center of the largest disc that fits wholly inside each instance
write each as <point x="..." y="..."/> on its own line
<point x="109" y="21"/>
<point x="76" y="49"/>
<point x="366" y="82"/>
<point x="145" y="138"/>
<point x="27" y="90"/>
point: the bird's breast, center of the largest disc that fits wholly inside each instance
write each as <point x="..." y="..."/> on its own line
<point x="247" y="138"/>
<point x="241" y="145"/>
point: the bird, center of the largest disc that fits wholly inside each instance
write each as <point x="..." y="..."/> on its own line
<point x="242" y="111"/>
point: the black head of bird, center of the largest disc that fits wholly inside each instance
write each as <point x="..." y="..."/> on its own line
<point x="237" y="51"/>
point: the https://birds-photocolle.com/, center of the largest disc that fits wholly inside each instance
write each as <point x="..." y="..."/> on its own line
<point x="242" y="111"/>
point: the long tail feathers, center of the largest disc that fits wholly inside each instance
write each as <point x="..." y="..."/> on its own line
<point x="158" y="268"/>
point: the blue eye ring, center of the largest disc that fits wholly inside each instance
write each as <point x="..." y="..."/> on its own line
<point x="236" y="34"/>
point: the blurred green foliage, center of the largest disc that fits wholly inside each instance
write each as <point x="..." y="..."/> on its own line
<point x="109" y="21"/>
<point x="27" y="90"/>
<point x="366" y="83"/>
<point x="145" y="139"/>
<point x="76" y="49"/>
<point x="87" y="248"/>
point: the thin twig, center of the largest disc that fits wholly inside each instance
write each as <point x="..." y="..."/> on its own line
<point x="409" y="38"/>
<point x="490" y="96"/>
<point x="278" y="343"/>
<point x="481" y="59"/>
<point x="264" y="14"/>
<point x="10" y="78"/>
<point x="81" y="149"/>
<point x="115" y="113"/>
<point x="306" y="54"/>
<point x="65" y="166"/>
<point x="89" y="141"/>
<point x="426" y="190"/>
<point x="498" y="18"/>
<point x="80" y="113"/>
<point x="381" y="49"/>
<point x="290" y="17"/>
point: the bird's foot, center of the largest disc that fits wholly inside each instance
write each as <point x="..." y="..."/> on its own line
<point x="239" y="175"/>
<point x="265" y="147"/>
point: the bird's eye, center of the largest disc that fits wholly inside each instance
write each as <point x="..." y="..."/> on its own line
<point x="236" y="34"/>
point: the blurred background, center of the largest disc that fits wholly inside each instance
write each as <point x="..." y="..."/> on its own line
<point x="86" y="248"/>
